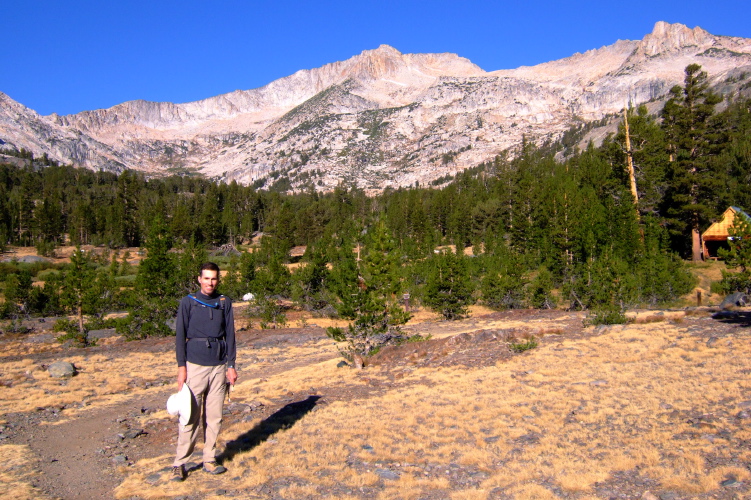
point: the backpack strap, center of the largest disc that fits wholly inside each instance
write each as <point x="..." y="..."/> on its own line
<point x="222" y="304"/>
<point x="213" y="306"/>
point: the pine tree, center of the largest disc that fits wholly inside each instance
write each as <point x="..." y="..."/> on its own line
<point x="156" y="292"/>
<point x="368" y="294"/>
<point x="690" y="179"/>
<point x="18" y="289"/>
<point x="182" y="224"/>
<point x="210" y="218"/>
<point x="736" y="154"/>
<point x="449" y="287"/>
<point x="309" y="281"/>
<point x="125" y="266"/>
<point x="503" y="283"/>
<point x="540" y="290"/>
<point x="231" y="279"/>
<point x="48" y="225"/>
<point x="738" y="257"/>
<point x="125" y="210"/>
<point x="5" y="217"/>
<point x="78" y="294"/>
<point x="272" y="279"/>
<point x="188" y="261"/>
<point x="247" y="272"/>
<point x="649" y="154"/>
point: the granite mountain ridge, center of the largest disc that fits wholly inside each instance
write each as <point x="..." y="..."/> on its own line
<point x="379" y="119"/>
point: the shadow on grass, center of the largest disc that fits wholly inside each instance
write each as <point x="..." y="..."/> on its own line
<point x="742" y="318"/>
<point x="284" y="418"/>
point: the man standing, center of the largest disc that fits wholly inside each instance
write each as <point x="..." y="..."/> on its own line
<point x="205" y="348"/>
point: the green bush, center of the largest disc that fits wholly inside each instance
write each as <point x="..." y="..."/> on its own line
<point x="523" y="345"/>
<point x="503" y="291"/>
<point x="7" y="310"/>
<point x="717" y="288"/>
<point x="272" y="313"/>
<point x="80" y="339"/>
<point x="70" y="331"/>
<point x="605" y="316"/>
<point x="16" y="326"/>
<point x="46" y="248"/>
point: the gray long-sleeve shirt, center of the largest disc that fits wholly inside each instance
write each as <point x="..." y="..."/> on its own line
<point x="197" y="321"/>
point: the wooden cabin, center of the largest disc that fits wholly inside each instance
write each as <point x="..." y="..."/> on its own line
<point x="716" y="236"/>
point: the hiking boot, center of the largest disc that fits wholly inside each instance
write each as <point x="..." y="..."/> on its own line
<point x="178" y="473"/>
<point x="213" y="468"/>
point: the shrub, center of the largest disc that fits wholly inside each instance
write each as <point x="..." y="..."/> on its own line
<point x="271" y="312"/>
<point x="523" y="345"/>
<point x="606" y="316"/>
<point x="70" y="331"/>
<point x="738" y="257"/>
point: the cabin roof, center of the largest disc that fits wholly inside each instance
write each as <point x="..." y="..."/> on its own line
<point x="720" y="229"/>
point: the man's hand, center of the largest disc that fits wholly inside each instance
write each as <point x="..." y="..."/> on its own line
<point x="231" y="375"/>
<point x="182" y="376"/>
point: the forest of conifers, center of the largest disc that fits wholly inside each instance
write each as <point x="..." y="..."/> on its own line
<point x="535" y="223"/>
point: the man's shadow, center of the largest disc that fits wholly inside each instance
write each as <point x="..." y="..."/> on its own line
<point x="742" y="318"/>
<point x="284" y="418"/>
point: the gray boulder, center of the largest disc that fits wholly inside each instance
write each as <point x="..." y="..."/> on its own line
<point x="737" y="299"/>
<point x="60" y="369"/>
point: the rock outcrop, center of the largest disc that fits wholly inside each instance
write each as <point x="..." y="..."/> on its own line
<point x="380" y="119"/>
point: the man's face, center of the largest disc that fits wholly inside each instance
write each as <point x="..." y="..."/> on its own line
<point x="208" y="280"/>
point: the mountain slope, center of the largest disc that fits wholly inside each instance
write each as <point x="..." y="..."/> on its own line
<point x="378" y="119"/>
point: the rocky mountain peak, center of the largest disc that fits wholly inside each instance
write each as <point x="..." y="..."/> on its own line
<point x="378" y="63"/>
<point x="383" y="50"/>
<point x="666" y="37"/>
<point x="379" y="119"/>
<point x="388" y="62"/>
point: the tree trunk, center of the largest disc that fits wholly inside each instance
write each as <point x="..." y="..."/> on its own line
<point x="80" y="319"/>
<point x="696" y="244"/>
<point x="630" y="163"/>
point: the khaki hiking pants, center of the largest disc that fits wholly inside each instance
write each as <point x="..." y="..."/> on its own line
<point x="208" y="385"/>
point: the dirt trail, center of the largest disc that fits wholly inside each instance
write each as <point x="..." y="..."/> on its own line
<point x="72" y="455"/>
<point x="86" y="455"/>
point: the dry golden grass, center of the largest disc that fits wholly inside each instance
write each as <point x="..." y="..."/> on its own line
<point x="16" y="472"/>
<point x="707" y="273"/>
<point x="323" y="322"/>
<point x="105" y="380"/>
<point x="585" y="409"/>
<point x="560" y="418"/>
<point x="102" y="380"/>
<point x="22" y="347"/>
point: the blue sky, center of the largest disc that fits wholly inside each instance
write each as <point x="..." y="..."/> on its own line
<point x="72" y="56"/>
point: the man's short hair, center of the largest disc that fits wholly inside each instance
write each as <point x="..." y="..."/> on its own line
<point x="208" y="266"/>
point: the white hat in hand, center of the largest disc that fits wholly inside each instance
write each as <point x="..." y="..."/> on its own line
<point x="180" y="403"/>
